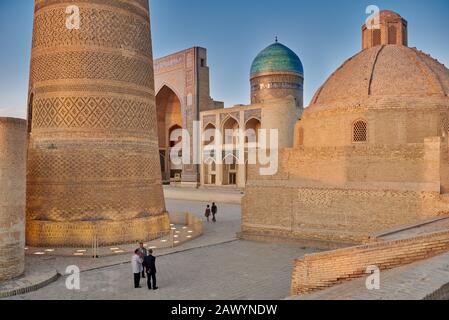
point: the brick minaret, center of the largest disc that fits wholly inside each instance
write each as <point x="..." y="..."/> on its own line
<point x="93" y="164"/>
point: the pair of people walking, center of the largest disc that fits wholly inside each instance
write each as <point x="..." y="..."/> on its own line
<point x="144" y="265"/>
<point x="211" y="211"/>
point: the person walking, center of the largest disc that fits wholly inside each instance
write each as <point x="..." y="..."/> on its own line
<point x="208" y="213"/>
<point x="136" y="263"/>
<point x="214" y="212"/>
<point x="150" y="268"/>
<point x="143" y="253"/>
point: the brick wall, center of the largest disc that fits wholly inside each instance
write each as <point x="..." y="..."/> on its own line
<point x="331" y="214"/>
<point x="417" y="163"/>
<point x="323" y="270"/>
<point x="13" y="137"/>
<point x="343" y="194"/>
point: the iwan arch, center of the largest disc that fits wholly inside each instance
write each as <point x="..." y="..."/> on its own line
<point x="183" y="96"/>
<point x="182" y="92"/>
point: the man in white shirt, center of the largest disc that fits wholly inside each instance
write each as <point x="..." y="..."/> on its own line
<point x="136" y="264"/>
<point x="143" y="253"/>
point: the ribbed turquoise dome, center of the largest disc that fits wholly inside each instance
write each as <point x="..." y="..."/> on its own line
<point x="277" y="57"/>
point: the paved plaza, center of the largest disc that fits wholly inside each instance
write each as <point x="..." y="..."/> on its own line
<point x="219" y="266"/>
<point x="214" y="266"/>
<point x="236" y="270"/>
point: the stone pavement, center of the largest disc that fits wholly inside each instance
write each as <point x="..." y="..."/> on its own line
<point x="223" y="231"/>
<point x="211" y="194"/>
<point x="235" y="270"/>
<point x="214" y="266"/>
<point x="218" y="266"/>
<point x="412" y="282"/>
<point x="27" y="283"/>
<point x="431" y="226"/>
<point x="163" y="240"/>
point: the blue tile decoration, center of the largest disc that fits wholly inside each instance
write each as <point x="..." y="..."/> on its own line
<point x="277" y="57"/>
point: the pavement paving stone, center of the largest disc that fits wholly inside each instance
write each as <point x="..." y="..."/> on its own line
<point x="219" y="266"/>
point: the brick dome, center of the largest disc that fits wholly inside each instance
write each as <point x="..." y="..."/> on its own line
<point x="383" y="72"/>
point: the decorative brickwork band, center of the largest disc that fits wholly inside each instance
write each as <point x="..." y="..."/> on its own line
<point x="93" y="150"/>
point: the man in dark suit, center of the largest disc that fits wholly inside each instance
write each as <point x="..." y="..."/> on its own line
<point x="150" y="268"/>
<point x="214" y="212"/>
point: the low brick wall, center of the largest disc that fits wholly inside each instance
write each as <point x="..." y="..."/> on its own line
<point x="323" y="270"/>
<point x="189" y="220"/>
<point x="441" y="294"/>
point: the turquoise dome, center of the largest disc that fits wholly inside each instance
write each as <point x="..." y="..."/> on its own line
<point x="277" y="57"/>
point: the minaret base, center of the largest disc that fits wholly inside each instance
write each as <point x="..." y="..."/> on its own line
<point x="83" y="233"/>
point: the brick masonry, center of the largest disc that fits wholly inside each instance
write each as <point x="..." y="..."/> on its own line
<point x="342" y="181"/>
<point x="323" y="270"/>
<point x="13" y="139"/>
<point x="185" y="75"/>
<point x="93" y="152"/>
<point x="371" y="153"/>
<point x="81" y="234"/>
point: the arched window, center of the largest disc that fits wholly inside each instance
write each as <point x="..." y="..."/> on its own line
<point x="209" y="133"/>
<point x="230" y="131"/>
<point x="360" y="131"/>
<point x="252" y="129"/>
<point x="377" y="37"/>
<point x="392" y="35"/>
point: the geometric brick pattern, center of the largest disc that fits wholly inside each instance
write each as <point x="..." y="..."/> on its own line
<point x="42" y="233"/>
<point x="83" y="166"/>
<point x="253" y="114"/>
<point x="360" y="132"/>
<point x="93" y="112"/>
<point x="136" y="7"/>
<point x="129" y="32"/>
<point x="94" y="202"/>
<point x="98" y="65"/>
<point x="93" y="143"/>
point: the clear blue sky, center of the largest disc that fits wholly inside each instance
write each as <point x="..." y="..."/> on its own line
<point x="323" y="33"/>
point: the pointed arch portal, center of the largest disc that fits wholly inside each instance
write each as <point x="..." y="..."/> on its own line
<point x="169" y="120"/>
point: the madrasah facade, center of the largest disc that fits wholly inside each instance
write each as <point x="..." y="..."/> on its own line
<point x="183" y="97"/>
